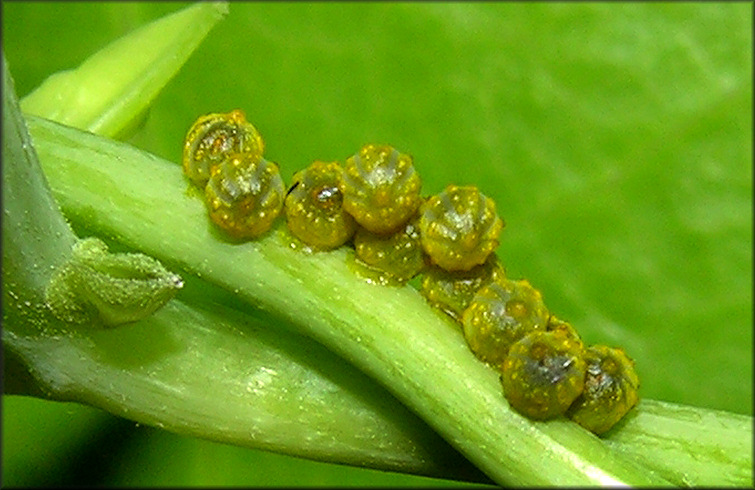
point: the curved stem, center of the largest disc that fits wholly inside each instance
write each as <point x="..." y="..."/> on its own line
<point x="663" y="436"/>
<point x="127" y="370"/>
<point x="389" y="333"/>
<point x="213" y="372"/>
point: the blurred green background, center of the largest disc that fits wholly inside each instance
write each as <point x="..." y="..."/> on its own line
<point x="616" y="140"/>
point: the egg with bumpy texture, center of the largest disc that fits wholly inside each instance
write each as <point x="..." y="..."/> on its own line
<point x="244" y="195"/>
<point x="611" y="389"/>
<point x="399" y="254"/>
<point x="459" y="227"/>
<point x="543" y="374"/>
<point x="381" y="188"/>
<point x="500" y="314"/>
<point x="452" y="291"/>
<point x="556" y="324"/>
<point x="314" y="207"/>
<point x="212" y="138"/>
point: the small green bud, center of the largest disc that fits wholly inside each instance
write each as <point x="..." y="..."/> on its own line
<point x="109" y="288"/>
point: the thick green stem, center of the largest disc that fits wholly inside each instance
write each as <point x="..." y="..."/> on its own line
<point x="36" y="238"/>
<point x="390" y="333"/>
<point x="219" y="374"/>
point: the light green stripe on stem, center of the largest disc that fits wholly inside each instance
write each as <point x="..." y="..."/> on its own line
<point x="688" y="445"/>
<point x="389" y="333"/>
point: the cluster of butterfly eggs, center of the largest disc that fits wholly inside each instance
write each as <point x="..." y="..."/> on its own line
<point x="374" y="202"/>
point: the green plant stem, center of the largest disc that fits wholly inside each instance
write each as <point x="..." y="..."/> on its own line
<point x="688" y="445"/>
<point x="389" y="333"/>
<point x="36" y="238"/>
<point x="136" y="371"/>
<point x="222" y="375"/>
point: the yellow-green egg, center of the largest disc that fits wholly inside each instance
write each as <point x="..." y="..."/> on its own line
<point x="556" y="324"/>
<point x="611" y="389"/>
<point x="452" y="291"/>
<point x="399" y="254"/>
<point x="500" y="314"/>
<point x="314" y="207"/>
<point x="459" y="227"/>
<point x="381" y="188"/>
<point x="244" y="195"/>
<point x="212" y="138"/>
<point x="543" y="373"/>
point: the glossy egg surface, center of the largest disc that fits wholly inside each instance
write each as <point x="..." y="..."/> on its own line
<point x="611" y="389"/>
<point x="399" y="254"/>
<point x="244" y="195"/>
<point x="314" y="207"/>
<point x="543" y="374"/>
<point x="500" y="314"/>
<point x="459" y="227"/>
<point x="452" y="291"/>
<point x="212" y="138"/>
<point x="381" y="188"/>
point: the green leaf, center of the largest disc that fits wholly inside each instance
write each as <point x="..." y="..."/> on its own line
<point x="37" y="432"/>
<point x="110" y="91"/>
<point x="619" y="154"/>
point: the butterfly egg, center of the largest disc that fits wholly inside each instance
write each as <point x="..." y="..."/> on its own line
<point x="554" y="324"/>
<point x="500" y="314"/>
<point x="452" y="291"/>
<point x="459" y="227"/>
<point x="314" y="207"/>
<point x="399" y="254"/>
<point x="543" y="373"/>
<point x="381" y="188"/>
<point x="244" y="195"/>
<point x="611" y="389"/>
<point x="215" y="136"/>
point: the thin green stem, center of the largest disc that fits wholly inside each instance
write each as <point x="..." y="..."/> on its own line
<point x="688" y="445"/>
